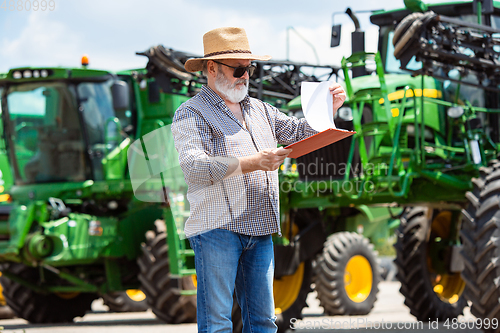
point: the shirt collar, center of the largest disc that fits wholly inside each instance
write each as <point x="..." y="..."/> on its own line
<point x="245" y="104"/>
<point x="211" y="95"/>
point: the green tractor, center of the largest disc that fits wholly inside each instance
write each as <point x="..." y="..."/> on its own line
<point x="124" y="301"/>
<point x="425" y="111"/>
<point x="75" y="230"/>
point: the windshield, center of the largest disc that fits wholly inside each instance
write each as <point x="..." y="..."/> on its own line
<point x="105" y="128"/>
<point x="46" y="137"/>
<point x="63" y="131"/>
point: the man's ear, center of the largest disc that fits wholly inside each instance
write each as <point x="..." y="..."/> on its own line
<point x="211" y="68"/>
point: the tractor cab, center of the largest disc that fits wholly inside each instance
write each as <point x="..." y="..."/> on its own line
<point x="63" y="125"/>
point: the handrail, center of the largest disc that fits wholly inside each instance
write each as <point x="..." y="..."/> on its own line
<point x="359" y="59"/>
<point x="116" y="121"/>
<point x="117" y="137"/>
<point x="395" y="142"/>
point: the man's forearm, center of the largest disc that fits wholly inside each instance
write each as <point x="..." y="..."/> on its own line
<point x="249" y="164"/>
<point x="266" y="160"/>
<point x="241" y="165"/>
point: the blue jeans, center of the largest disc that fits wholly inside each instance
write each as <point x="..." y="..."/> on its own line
<point x="225" y="262"/>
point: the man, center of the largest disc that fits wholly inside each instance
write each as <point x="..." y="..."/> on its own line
<point x="227" y="144"/>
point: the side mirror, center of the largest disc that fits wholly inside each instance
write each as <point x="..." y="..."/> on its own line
<point x="335" y="41"/>
<point x="120" y="93"/>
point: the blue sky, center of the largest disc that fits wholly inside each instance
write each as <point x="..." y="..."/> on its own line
<point x="111" y="31"/>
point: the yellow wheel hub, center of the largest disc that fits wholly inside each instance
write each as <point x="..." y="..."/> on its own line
<point x="448" y="287"/>
<point x="2" y="298"/>
<point x="358" y="278"/>
<point x="287" y="289"/>
<point x="136" y="295"/>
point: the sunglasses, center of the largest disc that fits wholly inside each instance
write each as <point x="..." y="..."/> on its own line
<point x="240" y="71"/>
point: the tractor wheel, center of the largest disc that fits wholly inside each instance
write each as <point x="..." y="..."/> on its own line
<point x="5" y="311"/>
<point x="481" y="252"/>
<point x="430" y="293"/>
<point x="42" y="308"/>
<point x="163" y="292"/>
<point x="132" y="300"/>
<point x="347" y="275"/>
<point x="290" y="293"/>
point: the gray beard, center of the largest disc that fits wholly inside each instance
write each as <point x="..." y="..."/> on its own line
<point x="230" y="91"/>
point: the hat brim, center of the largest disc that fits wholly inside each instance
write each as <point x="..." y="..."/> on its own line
<point x="196" y="64"/>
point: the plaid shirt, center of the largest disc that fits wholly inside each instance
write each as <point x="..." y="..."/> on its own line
<point x="205" y="132"/>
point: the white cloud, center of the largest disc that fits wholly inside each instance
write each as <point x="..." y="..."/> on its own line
<point x="42" y="43"/>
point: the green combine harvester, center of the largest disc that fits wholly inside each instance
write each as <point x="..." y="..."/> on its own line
<point x="428" y="140"/>
<point x="424" y="158"/>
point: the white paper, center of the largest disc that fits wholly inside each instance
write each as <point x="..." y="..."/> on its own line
<point x="317" y="105"/>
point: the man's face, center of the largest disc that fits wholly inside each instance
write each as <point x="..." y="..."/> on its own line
<point x="234" y="89"/>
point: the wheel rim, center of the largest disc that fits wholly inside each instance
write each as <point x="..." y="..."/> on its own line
<point x="358" y="278"/>
<point x="136" y="295"/>
<point x="195" y="280"/>
<point x="2" y="298"/>
<point x="286" y="289"/>
<point x="448" y="287"/>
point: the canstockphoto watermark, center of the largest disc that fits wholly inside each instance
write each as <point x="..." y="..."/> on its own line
<point x="353" y="323"/>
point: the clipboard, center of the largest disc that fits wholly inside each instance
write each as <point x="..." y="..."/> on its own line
<point x="317" y="141"/>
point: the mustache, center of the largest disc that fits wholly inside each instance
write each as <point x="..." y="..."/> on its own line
<point x="244" y="81"/>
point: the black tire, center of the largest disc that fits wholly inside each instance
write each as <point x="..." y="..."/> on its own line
<point x="481" y="250"/>
<point x="126" y="301"/>
<point x="289" y="308"/>
<point x="331" y="269"/>
<point x="42" y="308"/>
<point x="5" y="311"/>
<point x="163" y="292"/>
<point x="428" y="295"/>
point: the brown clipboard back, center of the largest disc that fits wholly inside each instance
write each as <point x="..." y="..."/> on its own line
<point x="317" y="141"/>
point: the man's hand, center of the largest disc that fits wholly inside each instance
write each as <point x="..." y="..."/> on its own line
<point x="271" y="159"/>
<point x="339" y="96"/>
<point x="267" y="160"/>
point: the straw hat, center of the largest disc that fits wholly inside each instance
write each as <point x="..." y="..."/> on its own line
<point x="224" y="43"/>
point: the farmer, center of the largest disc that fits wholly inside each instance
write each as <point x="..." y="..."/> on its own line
<point x="227" y="145"/>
